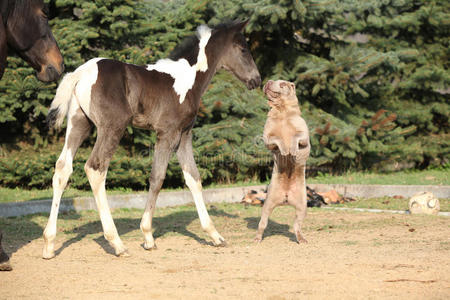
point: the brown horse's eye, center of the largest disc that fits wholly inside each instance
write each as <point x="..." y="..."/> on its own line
<point x="45" y="10"/>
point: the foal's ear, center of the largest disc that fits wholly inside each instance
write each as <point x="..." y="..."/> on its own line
<point x="3" y="47"/>
<point x="240" y="25"/>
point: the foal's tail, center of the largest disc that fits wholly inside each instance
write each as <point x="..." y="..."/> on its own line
<point x="60" y="104"/>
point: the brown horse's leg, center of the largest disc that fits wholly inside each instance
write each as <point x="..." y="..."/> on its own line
<point x="4" y="259"/>
<point x="192" y="177"/>
<point x="96" y="167"/>
<point x="164" y="148"/>
<point x="78" y="128"/>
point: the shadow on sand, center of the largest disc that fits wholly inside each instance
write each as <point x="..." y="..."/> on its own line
<point x="19" y="231"/>
<point x="273" y="228"/>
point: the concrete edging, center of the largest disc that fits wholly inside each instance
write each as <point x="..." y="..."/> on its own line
<point x="229" y="195"/>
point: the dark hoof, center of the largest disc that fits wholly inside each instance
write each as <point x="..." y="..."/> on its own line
<point x="5" y="266"/>
<point x="222" y="243"/>
<point x="150" y="248"/>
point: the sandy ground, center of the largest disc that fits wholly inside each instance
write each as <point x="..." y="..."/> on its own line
<point x="359" y="256"/>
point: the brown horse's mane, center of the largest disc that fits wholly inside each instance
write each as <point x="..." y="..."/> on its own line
<point x="9" y="6"/>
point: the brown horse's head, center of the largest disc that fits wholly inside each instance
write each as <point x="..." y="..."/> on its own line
<point x="25" y="24"/>
<point x="238" y="59"/>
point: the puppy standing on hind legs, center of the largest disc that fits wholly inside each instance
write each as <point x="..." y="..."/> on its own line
<point x="286" y="135"/>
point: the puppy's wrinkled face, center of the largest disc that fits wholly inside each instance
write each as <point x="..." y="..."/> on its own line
<point x="279" y="91"/>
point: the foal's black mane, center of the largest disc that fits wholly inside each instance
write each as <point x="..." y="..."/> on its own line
<point x="188" y="48"/>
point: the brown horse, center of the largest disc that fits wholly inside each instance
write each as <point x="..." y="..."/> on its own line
<point x="24" y="29"/>
<point x="163" y="97"/>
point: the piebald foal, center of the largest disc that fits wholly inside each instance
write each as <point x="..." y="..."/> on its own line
<point x="164" y="97"/>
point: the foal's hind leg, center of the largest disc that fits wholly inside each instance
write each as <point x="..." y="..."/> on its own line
<point x="164" y="148"/>
<point x="192" y="177"/>
<point x="96" y="168"/>
<point x="78" y="128"/>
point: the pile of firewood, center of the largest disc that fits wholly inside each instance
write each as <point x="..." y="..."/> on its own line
<point x="314" y="198"/>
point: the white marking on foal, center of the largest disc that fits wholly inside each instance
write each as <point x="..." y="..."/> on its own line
<point x="184" y="74"/>
<point x="196" y="190"/>
<point x="180" y="70"/>
<point x="63" y="170"/>
<point x="89" y="70"/>
<point x="203" y="34"/>
<point x="195" y="186"/>
<point x="97" y="180"/>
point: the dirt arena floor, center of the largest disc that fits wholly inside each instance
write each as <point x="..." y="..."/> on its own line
<point x="348" y="256"/>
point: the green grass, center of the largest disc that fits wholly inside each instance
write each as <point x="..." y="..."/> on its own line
<point x="387" y="203"/>
<point x="18" y="195"/>
<point x="236" y="222"/>
<point x="414" y="177"/>
<point x="426" y="177"/>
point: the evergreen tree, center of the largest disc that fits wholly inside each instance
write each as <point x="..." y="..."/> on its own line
<point x="351" y="59"/>
<point x="372" y="81"/>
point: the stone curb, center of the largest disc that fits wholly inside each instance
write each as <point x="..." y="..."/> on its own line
<point x="229" y="195"/>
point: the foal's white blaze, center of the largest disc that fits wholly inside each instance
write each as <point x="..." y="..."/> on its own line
<point x="180" y="70"/>
<point x="84" y="86"/>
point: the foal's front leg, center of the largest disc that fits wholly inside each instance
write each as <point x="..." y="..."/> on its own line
<point x="96" y="169"/>
<point x="192" y="177"/>
<point x="164" y="148"/>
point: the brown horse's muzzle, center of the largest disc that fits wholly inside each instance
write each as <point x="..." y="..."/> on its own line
<point x="50" y="73"/>
<point x="53" y="68"/>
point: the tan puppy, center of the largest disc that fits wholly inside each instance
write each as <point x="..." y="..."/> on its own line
<point x="286" y="135"/>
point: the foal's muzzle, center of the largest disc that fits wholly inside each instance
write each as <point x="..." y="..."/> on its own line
<point x="254" y="83"/>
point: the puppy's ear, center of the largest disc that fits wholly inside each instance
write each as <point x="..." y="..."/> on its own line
<point x="3" y="47"/>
